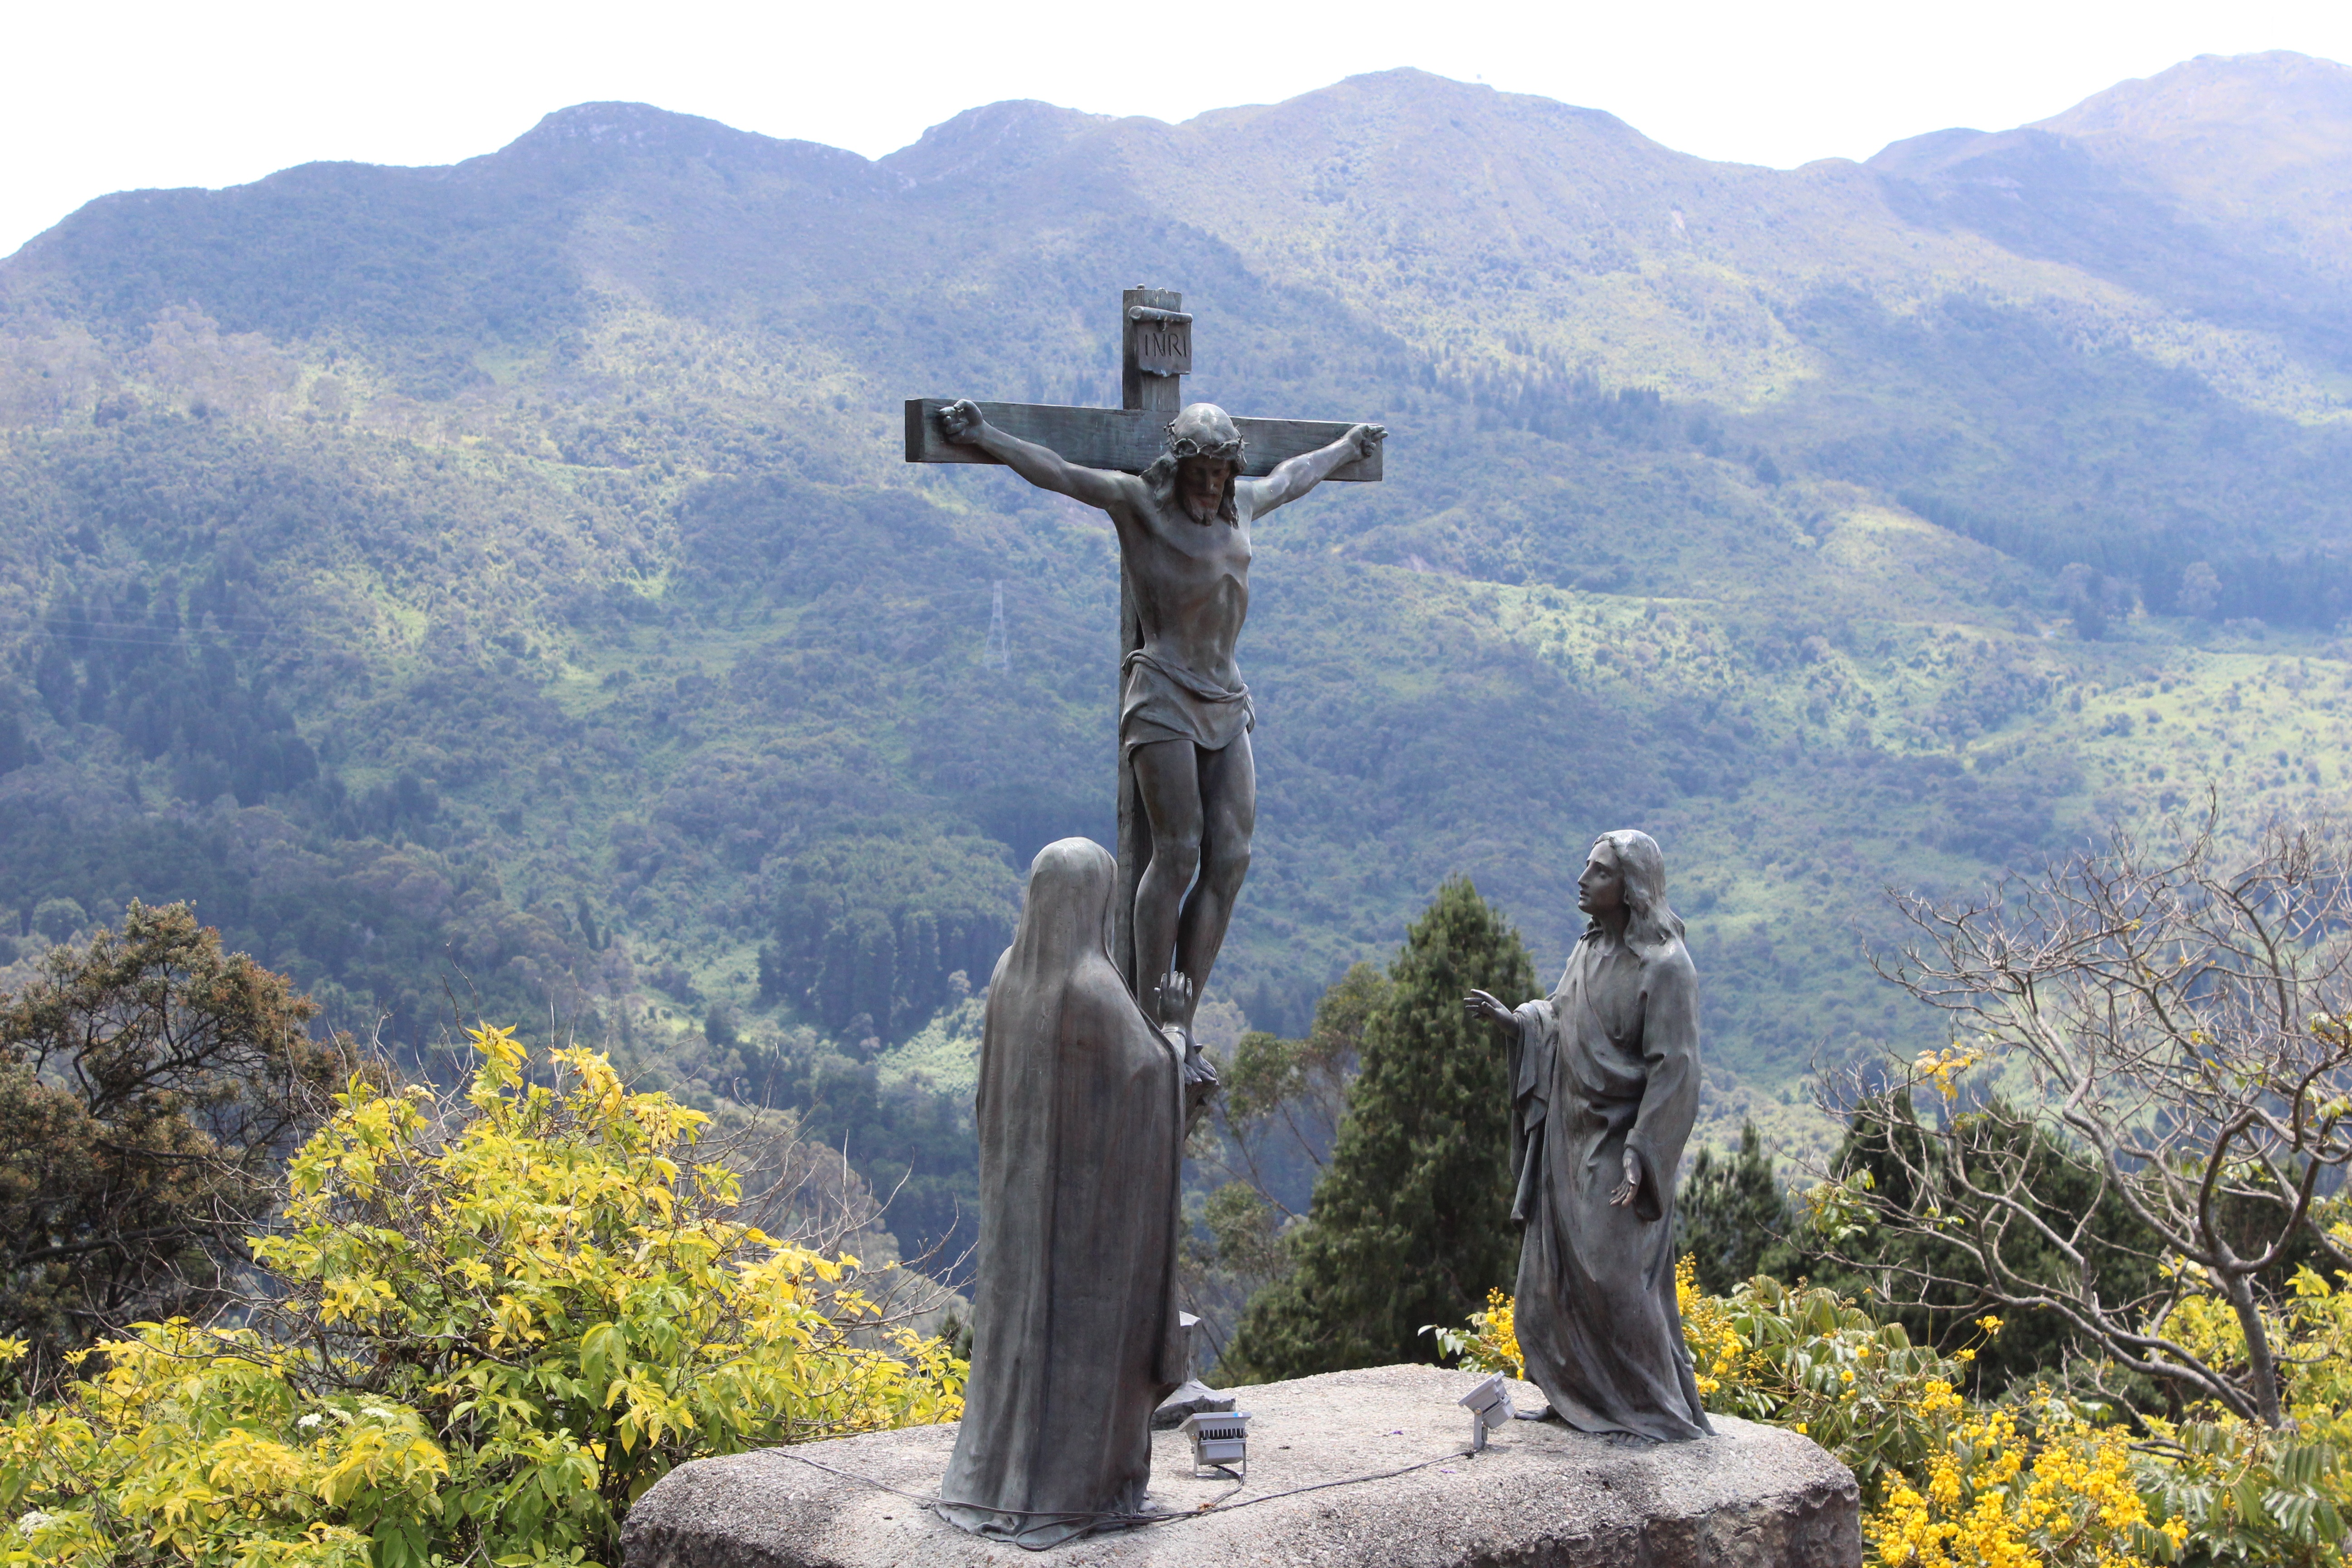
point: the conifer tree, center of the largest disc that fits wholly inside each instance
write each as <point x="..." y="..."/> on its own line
<point x="1411" y="1221"/>
<point x="1732" y="1216"/>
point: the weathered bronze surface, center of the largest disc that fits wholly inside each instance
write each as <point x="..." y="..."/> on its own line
<point x="1126" y="439"/>
<point x="1081" y="1113"/>
<point x="1604" y="1088"/>
<point x="1090" y="1076"/>
<point x="1182" y="487"/>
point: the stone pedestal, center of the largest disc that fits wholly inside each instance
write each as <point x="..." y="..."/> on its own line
<point x="1539" y="1497"/>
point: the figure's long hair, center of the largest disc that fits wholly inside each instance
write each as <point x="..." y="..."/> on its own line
<point x="1651" y="924"/>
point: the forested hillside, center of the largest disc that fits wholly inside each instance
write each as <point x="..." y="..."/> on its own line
<point x="494" y="590"/>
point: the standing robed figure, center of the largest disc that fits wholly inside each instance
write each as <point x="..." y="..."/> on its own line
<point x="1081" y="1112"/>
<point x="1604" y="1088"/>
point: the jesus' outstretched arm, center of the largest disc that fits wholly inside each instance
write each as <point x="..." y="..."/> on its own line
<point x="1041" y="466"/>
<point x="1294" y="479"/>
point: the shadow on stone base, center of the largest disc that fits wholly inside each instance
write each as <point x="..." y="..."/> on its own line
<point x="1539" y="1497"/>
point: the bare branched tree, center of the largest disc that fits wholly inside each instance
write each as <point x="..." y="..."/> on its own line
<point x="799" y="1191"/>
<point x="2146" y="1093"/>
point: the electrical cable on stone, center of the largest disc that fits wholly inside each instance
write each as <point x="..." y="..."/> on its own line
<point x="1057" y="1516"/>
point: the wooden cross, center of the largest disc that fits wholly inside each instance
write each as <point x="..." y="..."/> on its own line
<point x="1155" y="355"/>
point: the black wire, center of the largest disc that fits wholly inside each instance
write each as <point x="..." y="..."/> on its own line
<point x="1217" y="1505"/>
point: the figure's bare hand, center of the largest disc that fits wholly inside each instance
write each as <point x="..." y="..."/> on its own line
<point x="1173" y="1000"/>
<point x="1367" y="439"/>
<point x="1624" y="1193"/>
<point x="961" y="421"/>
<point x="1482" y="1005"/>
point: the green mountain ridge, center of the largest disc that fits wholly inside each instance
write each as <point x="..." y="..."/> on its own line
<point x="495" y="588"/>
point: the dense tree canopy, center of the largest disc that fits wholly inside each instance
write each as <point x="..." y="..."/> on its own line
<point x="1410" y="1223"/>
<point x="150" y="1086"/>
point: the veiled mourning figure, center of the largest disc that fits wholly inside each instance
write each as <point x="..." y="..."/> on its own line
<point x="1081" y="1112"/>
<point x="1604" y="1076"/>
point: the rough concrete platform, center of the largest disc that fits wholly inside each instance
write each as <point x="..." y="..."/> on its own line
<point x="1540" y="1497"/>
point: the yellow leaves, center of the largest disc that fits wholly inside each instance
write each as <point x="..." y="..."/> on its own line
<point x="320" y="1545"/>
<point x="547" y="1309"/>
<point x="241" y="1464"/>
<point x="342" y="1300"/>
<point x="502" y="1054"/>
<point x="1939" y="1068"/>
<point x="718" y="1184"/>
<point x="512" y="1322"/>
<point x="61" y="1537"/>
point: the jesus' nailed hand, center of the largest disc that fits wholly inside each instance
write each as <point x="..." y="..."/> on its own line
<point x="1185" y="715"/>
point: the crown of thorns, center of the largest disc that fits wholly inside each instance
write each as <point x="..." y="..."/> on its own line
<point x="1192" y="447"/>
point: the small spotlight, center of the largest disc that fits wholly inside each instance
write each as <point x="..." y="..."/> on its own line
<point x="1489" y="1404"/>
<point x="1219" y="1440"/>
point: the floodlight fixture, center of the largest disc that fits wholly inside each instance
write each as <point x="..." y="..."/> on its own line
<point x="1489" y="1404"/>
<point x="1220" y="1441"/>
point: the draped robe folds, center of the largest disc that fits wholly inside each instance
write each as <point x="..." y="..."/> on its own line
<point x="1607" y="1064"/>
<point x="1075" y="1331"/>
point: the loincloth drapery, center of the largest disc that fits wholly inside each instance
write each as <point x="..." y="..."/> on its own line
<point x="1163" y="700"/>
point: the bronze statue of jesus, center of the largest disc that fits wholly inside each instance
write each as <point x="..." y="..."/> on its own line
<point x="1185" y="715"/>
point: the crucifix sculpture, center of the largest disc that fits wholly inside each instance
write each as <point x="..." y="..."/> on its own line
<point x="1182" y="485"/>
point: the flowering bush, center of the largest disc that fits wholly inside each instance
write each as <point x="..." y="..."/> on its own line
<point x="1491" y="1343"/>
<point x="1808" y="1360"/>
<point x="1946" y="1484"/>
<point x="2249" y="1493"/>
<point x="198" y="1446"/>
<point x="497" y="1324"/>
<point x="1993" y="1496"/>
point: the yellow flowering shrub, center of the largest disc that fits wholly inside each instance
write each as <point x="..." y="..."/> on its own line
<point x="496" y="1324"/>
<point x="2248" y="1494"/>
<point x="198" y="1446"/>
<point x="1945" y="1483"/>
<point x="1807" y="1359"/>
<point x="1994" y="1496"/>
<point x="1491" y="1343"/>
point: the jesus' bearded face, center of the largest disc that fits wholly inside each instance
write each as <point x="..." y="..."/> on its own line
<point x="1200" y="485"/>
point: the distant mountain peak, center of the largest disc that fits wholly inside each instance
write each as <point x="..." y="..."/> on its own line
<point x="1917" y="157"/>
<point x="619" y="124"/>
<point x="603" y="133"/>
<point x="2276" y="91"/>
<point x="1000" y="137"/>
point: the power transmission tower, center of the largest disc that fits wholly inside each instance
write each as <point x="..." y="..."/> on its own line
<point x="998" y="655"/>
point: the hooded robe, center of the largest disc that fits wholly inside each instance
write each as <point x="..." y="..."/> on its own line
<point x="1075" y="1333"/>
<point x="1607" y="1064"/>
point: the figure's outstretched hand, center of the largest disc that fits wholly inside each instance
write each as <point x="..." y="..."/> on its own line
<point x="1624" y="1193"/>
<point x="961" y="421"/>
<point x="1483" y="1004"/>
<point x="1367" y="439"/>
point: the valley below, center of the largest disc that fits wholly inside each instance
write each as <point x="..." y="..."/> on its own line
<point x="494" y="592"/>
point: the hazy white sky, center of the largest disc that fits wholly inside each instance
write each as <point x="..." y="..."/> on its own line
<point x="129" y="94"/>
